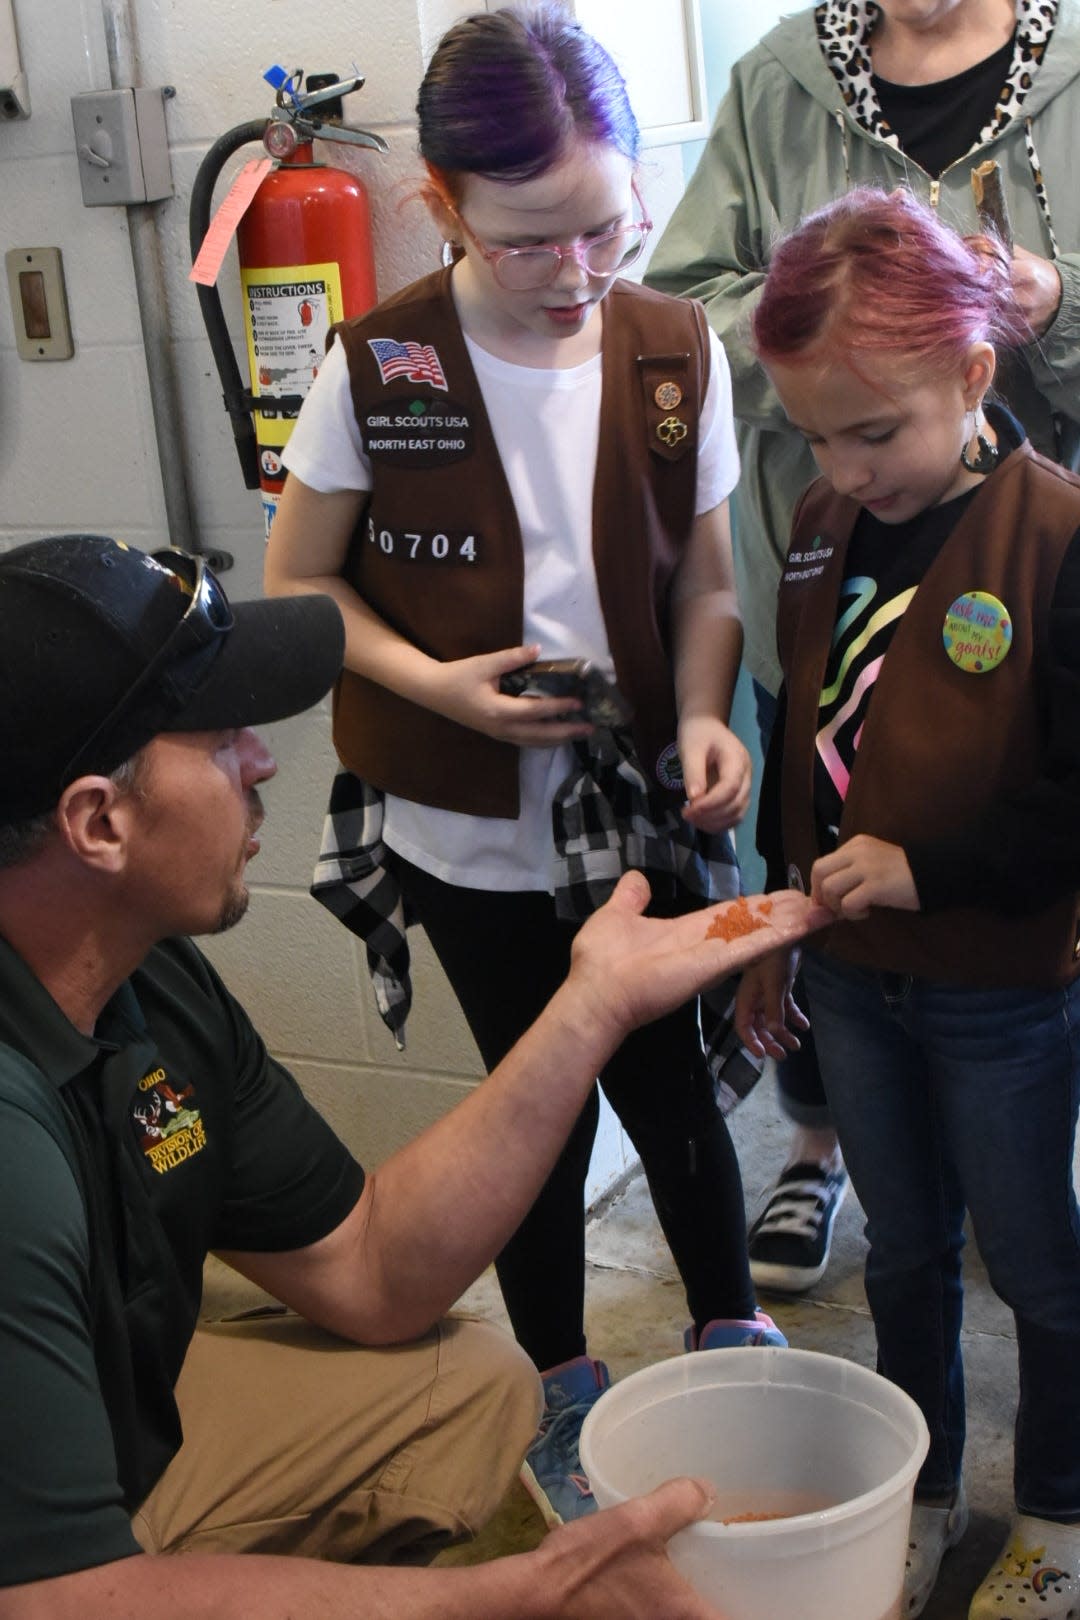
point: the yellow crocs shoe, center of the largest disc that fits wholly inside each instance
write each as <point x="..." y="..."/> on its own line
<point x="1037" y="1573"/>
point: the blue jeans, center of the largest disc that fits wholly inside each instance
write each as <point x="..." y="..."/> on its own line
<point x="946" y="1098"/>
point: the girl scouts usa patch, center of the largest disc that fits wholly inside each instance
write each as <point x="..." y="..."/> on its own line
<point x="421" y="432"/>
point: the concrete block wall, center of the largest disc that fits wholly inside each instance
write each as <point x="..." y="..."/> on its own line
<point x="77" y="451"/>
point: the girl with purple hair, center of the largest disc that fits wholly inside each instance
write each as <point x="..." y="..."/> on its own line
<point x="524" y="456"/>
<point x="923" y="782"/>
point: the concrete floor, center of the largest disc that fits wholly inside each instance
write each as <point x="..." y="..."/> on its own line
<point x="636" y="1314"/>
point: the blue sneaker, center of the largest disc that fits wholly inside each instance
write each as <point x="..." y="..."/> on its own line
<point x="727" y="1333"/>
<point x="551" y="1472"/>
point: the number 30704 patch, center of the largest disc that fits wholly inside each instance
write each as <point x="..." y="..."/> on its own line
<point x="425" y="545"/>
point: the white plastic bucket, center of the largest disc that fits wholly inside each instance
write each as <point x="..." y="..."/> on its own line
<point x="823" y="1440"/>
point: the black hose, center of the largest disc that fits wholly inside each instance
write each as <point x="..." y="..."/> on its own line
<point x="235" y="392"/>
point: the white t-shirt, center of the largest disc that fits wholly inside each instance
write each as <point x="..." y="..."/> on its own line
<point x="546" y="426"/>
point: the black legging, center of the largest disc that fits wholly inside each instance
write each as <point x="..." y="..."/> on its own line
<point x="505" y="955"/>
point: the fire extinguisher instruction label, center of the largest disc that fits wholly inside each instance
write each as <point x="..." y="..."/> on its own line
<point x="288" y="311"/>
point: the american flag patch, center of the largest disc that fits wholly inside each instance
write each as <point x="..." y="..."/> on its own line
<point x="416" y="361"/>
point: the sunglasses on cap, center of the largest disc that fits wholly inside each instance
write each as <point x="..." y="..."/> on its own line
<point x="206" y="615"/>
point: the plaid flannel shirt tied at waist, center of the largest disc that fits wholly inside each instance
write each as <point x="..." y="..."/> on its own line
<point x="605" y="821"/>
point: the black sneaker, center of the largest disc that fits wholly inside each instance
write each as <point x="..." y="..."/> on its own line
<point x="789" y="1241"/>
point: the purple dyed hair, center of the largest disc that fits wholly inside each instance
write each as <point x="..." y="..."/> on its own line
<point x="506" y="90"/>
<point x="877" y="274"/>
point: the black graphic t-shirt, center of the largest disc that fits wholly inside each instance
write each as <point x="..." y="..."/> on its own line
<point x="885" y="563"/>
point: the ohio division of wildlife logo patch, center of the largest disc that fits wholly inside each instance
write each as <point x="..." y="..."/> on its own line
<point x="168" y="1125"/>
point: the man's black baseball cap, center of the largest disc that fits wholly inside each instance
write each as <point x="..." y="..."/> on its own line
<point x="103" y="646"/>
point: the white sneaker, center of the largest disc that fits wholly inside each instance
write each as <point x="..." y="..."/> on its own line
<point x="1036" y="1573"/>
<point x="933" y="1531"/>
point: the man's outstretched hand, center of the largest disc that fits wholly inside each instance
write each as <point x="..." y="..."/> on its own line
<point x="632" y="968"/>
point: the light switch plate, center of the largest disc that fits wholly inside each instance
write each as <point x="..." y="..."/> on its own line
<point x="122" y="147"/>
<point x="39" y="303"/>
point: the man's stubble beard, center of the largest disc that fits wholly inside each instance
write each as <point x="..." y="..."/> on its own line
<point x="233" y="910"/>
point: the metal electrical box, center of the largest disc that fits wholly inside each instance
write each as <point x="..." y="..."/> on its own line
<point x="122" y="147"/>
<point x="14" y="95"/>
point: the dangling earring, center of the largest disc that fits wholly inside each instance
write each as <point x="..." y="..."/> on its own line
<point x="986" y="455"/>
<point x="449" y="255"/>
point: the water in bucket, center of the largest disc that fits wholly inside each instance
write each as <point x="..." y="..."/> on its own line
<point x="829" y="1445"/>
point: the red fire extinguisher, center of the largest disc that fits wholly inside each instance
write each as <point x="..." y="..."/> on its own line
<point x="306" y="261"/>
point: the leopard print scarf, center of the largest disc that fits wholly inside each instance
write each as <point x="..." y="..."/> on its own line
<point x="844" y="28"/>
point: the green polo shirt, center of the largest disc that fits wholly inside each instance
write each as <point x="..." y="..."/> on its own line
<point x="124" y="1160"/>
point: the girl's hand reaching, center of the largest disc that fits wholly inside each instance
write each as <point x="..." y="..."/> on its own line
<point x="716" y="773"/>
<point x="467" y="690"/>
<point x="766" y="1013"/>
<point x="863" y="873"/>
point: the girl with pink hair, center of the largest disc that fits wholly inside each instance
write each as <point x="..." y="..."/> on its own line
<point x="924" y="783"/>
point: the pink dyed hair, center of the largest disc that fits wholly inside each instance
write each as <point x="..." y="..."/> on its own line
<point x="877" y="274"/>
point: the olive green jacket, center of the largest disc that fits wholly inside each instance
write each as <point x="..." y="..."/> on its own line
<point x="784" y="143"/>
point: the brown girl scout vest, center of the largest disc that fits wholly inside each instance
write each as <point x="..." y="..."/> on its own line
<point x="438" y="551"/>
<point x="940" y="744"/>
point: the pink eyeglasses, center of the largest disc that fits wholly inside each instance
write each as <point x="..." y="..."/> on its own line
<point x="526" y="268"/>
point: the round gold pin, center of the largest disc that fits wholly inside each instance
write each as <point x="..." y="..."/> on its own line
<point x="668" y="395"/>
<point x="671" y="431"/>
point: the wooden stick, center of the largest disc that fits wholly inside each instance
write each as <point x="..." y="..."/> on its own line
<point x="990" y="201"/>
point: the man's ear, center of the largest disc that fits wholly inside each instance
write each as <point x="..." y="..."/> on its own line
<point x="94" y="818"/>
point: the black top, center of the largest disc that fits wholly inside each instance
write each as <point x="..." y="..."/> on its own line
<point x="884" y="564"/>
<point x="124" y="1160"/>
<point x="937" y="123"/>
<point x="1026" y="847"/>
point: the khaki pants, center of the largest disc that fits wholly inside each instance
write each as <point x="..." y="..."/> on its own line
<point x="301" y="1443"/>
